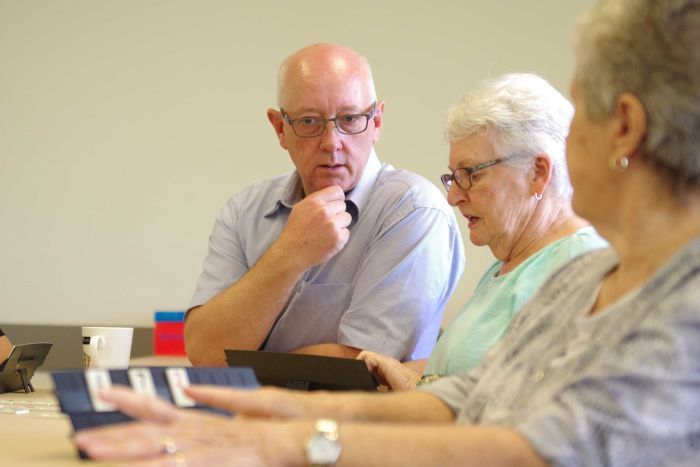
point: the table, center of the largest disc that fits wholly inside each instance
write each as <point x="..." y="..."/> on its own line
<point x="33" y="431"/>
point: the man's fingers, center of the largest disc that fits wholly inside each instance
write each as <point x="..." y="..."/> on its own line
<point x="343" y="219"/>
<point x="331" y="193"/>
<point x="335" y="207"/>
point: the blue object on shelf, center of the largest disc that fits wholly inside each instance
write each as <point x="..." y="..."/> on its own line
<point x="170" y="316"/>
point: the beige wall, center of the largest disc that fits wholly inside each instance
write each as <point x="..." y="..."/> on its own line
<point x="124" y="126"/>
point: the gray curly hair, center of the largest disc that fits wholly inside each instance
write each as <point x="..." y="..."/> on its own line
<point x="522" y="114"/>
<point x="649" y="48"/>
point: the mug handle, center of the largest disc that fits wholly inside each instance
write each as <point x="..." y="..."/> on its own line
<point x="95" y="342"/>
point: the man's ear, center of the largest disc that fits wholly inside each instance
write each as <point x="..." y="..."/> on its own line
<point x="277" y="122"/>
<point x="542" y="173"/>
<point x="377" y="118"/>
<point x="630" y="125"/>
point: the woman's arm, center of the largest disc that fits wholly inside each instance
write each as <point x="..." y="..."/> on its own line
<point x="206" y="439"/>
<point x="268" y="402"/>
<point x="430" y="444"/>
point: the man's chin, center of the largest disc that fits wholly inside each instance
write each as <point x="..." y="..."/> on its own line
<point x="345" y="184"/>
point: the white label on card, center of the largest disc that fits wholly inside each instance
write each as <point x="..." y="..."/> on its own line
<point x="141" y="381"/>
<point x="96" y="379"/>
<point x="178" y="380"/>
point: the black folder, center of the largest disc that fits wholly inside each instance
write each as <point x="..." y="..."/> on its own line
<point x="304" y="372"/>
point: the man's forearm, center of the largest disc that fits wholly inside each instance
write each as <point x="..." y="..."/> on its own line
<point x="329" y="350"/>
<point x="5" y="348"/>
<point x="241" y="316"/>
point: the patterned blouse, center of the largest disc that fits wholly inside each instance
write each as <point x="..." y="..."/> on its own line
<point x="621" y="387"/>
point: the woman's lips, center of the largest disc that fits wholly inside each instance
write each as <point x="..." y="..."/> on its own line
<point x="471" y="220"/>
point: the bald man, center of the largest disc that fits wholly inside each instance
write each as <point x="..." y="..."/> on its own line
<point x="343" y="254"/>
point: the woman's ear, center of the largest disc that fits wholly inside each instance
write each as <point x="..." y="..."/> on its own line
<point x="542" y="173"/>
<point x="630" y="120"/>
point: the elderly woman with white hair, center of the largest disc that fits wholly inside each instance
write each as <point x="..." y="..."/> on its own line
<point x="509" y="180"/>
<point x="601" y="367"/>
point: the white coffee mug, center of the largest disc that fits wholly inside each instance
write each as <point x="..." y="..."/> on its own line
<point x="106" y="347"/>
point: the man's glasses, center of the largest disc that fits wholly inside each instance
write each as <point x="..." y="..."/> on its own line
<point x="463" y="176"/>
<point x="350" y="124"/>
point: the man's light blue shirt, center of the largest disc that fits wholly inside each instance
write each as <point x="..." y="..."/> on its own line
<point x="387" y="288"/>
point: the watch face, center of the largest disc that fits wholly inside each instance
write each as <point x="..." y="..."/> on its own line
<point x="322" y="451"/>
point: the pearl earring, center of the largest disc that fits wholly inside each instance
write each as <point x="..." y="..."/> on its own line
<point x="619" y="165"/>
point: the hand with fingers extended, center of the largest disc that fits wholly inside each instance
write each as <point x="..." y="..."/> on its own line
<point x="165" y="435"/>
<point x="267" y="402"/>
<point x="389" y="371"/>
<point x="317" y="228"/>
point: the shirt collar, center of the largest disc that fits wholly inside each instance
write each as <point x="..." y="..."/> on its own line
<point x="359" y="196"/>
<point x="356" y="198"/>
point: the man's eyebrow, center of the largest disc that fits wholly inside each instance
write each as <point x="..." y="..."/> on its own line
<point x="302" y="110"/>
<point x="348" y="109"/>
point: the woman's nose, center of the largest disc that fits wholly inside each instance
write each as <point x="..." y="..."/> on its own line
<point x="455" y="194"/>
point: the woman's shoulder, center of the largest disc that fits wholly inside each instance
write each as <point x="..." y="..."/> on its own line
<point x="583" y="240"/>
<point x="558" y="253"/>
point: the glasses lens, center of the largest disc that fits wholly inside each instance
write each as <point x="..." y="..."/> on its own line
<point x="463" y="179"/>
<point x="308" y="126"/>
<point x="446" y="181"/>
<point x="352" y="124"/>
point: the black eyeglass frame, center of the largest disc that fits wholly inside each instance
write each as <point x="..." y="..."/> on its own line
<point x="447" y="179"/>
<point x="367" y="115"/>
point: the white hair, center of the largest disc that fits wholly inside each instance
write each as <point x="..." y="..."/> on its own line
<point x="649" y="48"/>
<point x="523" y="115"/>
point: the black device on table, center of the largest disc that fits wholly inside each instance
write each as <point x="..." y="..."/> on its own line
<point x="305" y="372"/>
<point x="16" y="372"/>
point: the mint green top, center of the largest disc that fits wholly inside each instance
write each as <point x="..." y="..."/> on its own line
<point x="484" y="319"/>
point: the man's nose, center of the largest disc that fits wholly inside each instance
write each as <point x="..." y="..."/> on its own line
<point x="330" y="138"/>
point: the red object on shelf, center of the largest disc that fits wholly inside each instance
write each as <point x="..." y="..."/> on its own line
<point x="169" y="338"/>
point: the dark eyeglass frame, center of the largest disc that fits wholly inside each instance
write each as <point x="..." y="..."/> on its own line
<point x="455" y="176"/>
<point x="367" y="115"/>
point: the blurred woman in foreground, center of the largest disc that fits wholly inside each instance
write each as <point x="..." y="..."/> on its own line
<point x="602" y="367"/>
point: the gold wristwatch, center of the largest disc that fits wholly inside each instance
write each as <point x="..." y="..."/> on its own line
<point x="323" y="447"/>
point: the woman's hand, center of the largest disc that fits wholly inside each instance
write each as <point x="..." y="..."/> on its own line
<point x="166" y="435"/>
<point x="267" y="402"/>
<point x="389" y="371"/>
